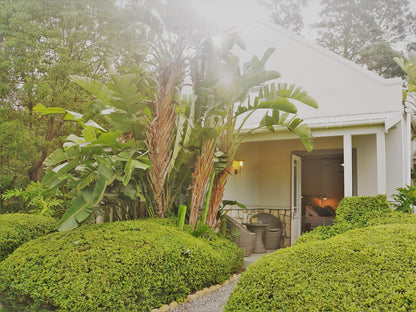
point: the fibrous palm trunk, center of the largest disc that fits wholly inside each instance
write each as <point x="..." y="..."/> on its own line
<point x="217" y="195"/>
<point x="200" y="177"/>
<point x="228" y="144"/>
<point x="161" y="132"/>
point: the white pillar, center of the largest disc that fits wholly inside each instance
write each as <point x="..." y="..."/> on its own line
<point x="408" y="156"/>
<point x="381" y="163"/>
<point x="347" y="165"/>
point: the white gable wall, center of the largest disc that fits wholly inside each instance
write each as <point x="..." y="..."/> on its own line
<point x="339" y="86"/>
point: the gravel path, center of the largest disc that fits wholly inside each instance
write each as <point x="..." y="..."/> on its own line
<point x="212" y="302"/>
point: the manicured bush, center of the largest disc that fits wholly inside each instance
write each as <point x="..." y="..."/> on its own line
<point x="18" y="228"/>
<point x="121" y="266"/>
<point x="367" y="269"/>
<point x="357" y="211"/>
<point x="395" y="217"/>
<point x="352" y="213"/>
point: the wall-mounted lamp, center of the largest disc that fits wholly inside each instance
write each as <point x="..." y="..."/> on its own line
<point x="324" y="197"/>
<point x="237" y="166"/>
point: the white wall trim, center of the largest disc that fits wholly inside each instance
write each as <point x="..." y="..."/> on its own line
<point x="255" y="207"/>
<point x="408" y="150"/>
<point x="392" y="121"/>
<point x="318" y="133"/>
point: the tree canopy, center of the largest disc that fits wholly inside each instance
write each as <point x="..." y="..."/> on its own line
<point x="286" y="13"/>
<point x="368" y="32"/>
<point x="42" y="43"/>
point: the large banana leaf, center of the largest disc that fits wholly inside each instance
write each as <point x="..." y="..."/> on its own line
<point x="290" y="122"/>
<point x="126" y="96"/>
<point x="95" y="87"/>
<point x="85" y="204"/>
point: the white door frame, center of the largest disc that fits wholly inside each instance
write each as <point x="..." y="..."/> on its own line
<point x="296" y="198"/>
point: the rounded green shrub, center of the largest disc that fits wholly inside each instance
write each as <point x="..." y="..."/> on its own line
<point x="393" y="218"/>
<point x="358" y="210"/>
<point x="352" y="213"/>
<point x="18" y="228"/>
<point x="367" y="269"/>
<point x="121" y="266"/>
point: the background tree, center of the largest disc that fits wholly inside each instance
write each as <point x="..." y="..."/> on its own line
<point x="286" y="13"/>
<point x="366" y="31"/>
<point x="42" y="43"/>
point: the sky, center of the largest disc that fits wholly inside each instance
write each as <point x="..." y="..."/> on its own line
<point x="230" y="13"/>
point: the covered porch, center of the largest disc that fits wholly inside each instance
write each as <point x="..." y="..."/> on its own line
<point x="367" y="158"/>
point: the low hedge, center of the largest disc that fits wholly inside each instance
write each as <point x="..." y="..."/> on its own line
<point x="121" y="266"/>
<point x="359" y="210"/>
<point x="367" y="269"/>
<point x="18" y="228"/>
<point x="352" y="213"/>
<point x="395" y="217"/>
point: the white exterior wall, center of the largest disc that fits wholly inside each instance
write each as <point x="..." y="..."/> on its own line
<point x="265" y="180"/>
<point x="395" y="159"/>
<point x="243" y="187"/>
<point x="365" y="146"/>
<point x="339" y="86"/>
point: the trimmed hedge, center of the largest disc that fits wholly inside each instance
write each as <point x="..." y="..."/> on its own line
<point x="352" y="213"/>
<point x="357" y="211"/>
<point x="18" y="228"/>
<point x="367" y="269"/>
<point x="395" y="217"/>
<point x="121" y="266"/>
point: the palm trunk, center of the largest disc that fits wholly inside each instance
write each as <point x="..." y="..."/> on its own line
<point x="161" y="131"/>
<point x="200" y="177"/>
<point x="217" y="195"/>
<point x="228" y="144"/>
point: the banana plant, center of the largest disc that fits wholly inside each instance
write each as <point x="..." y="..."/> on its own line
<point x="409" y="67"/>
<point x="223" y="91"/>
<point x="100" y="160"/>
<point x="409" y="92"/>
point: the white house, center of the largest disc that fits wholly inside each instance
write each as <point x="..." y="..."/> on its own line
<point x="362" y="135"/>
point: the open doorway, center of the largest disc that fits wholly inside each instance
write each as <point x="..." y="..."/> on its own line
<point x="322" y="188"/>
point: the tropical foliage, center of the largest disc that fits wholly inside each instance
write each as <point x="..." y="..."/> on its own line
<point x="140" y="144"/>
<point x="190" y="162"/>
<point x="42" y="43"/>
<point x="409" y="67"/>
<point x="405" y="199"/>
<point x="103" y="162"/>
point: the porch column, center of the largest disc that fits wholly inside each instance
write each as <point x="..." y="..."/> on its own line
<point x="381" y="163"/>
<point x="347" y="165"/>
<point x="407" y="144"/>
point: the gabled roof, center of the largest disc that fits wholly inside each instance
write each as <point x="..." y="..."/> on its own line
<point x="312" y="45"/>
<point x="339" y="86"/>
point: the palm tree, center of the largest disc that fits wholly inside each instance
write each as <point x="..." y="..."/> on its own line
<point x="227" y="107"/>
